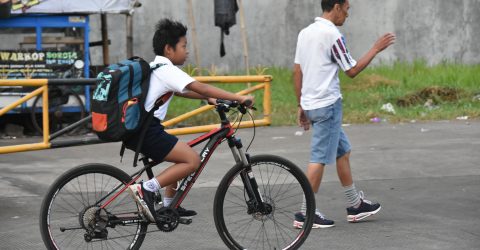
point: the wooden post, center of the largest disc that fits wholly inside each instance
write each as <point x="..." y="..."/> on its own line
<point x="194" y="37"/>
<point x="106" y="54"/>
<point x="244" y="36"/>
<point x="129" y="35"/>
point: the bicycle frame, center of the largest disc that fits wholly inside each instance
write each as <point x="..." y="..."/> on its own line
<point x="215" y="137"/>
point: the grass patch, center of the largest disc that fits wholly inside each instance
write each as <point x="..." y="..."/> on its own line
<point x="417" y="92"/>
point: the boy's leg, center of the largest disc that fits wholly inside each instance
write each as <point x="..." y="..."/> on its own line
<point x="186" y="162"/>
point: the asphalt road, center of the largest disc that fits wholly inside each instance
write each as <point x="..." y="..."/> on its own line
<point x="425" y="175"/>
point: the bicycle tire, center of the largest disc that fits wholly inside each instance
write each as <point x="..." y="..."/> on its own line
<point x="282" y="185"/>
<point x="55" y="123"/>
<point x="66" y="203"/>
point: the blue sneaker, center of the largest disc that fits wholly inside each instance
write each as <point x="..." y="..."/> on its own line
<point x="319" y="222"/>
<point x="366" y="209"/>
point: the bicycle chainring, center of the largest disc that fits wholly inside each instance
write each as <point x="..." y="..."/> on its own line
<point x="167" y="219"/>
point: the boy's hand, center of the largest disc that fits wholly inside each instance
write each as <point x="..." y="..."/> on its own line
<point x="249" y="99"/>
<point x="212" y="101"/>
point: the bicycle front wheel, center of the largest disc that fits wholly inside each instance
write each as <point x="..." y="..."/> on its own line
<point x="282" y="186"/>
<point x="72" y="216"/>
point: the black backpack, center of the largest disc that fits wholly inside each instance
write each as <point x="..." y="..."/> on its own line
<point x="118" y="110"/>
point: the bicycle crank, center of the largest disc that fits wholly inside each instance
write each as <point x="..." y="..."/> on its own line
<point x="167" y="219"/>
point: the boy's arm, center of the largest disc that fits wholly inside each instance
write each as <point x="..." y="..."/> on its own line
<point x="194" y="95"/>
<point x="205" y="90"/>
<point x="382" y="43"/>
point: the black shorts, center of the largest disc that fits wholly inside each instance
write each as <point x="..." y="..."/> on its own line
<point x="156" y="144"/>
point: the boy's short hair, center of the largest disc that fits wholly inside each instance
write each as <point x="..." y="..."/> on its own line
<point x="327" y="5"/>
<point x="167" y="32"/>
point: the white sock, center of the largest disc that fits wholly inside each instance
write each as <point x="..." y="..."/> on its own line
<point x="167" y="201"/>
<point x="152" y="185"/>
<point x="353" y="197"/>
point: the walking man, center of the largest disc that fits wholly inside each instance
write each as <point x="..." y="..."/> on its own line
<point x="321" y="51"/>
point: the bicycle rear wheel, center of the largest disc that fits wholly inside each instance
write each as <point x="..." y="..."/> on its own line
<point x="282" y="186"/>
<point x="70" y="217"/>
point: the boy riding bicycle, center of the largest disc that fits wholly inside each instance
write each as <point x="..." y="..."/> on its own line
<point x="170" y="47"/>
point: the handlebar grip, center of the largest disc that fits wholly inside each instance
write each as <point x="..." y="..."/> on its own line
<point x="247" y="103"/>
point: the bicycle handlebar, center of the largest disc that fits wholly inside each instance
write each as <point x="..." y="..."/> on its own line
<point x="242" y="107"/>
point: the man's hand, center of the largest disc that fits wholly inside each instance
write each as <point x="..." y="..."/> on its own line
<point x="302" y="119"/>
<point x="384" y="42"/>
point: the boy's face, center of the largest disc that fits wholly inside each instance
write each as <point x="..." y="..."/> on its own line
<point x="179" y="55"/>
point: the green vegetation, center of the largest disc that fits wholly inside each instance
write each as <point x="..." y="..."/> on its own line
<point x="416" y="91"/>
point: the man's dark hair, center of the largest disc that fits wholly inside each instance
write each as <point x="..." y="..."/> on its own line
<point x="327" y="5"/>
<point x="167" y="32"/>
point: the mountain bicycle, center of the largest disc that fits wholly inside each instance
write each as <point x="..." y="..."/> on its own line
<point x="254" y="205"/>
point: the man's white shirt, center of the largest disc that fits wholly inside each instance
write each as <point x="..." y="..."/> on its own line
<point x="167" y="78"/>
<point x="321" y="51"/>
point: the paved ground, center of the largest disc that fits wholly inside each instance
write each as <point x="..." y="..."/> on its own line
<point x="426" y="176"/>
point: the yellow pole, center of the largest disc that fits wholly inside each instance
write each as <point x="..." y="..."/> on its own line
<point x="23" y="147"/>
<point x="21" y="100"/>
<point x="46" y="129"/>
<point x="24" y="82"/>
<point x="206" y="128"/>
<point x="187" y="115"/>
<point x="267" y="102"/>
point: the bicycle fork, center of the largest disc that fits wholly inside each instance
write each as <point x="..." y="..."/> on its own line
<point x="255" y="202"/>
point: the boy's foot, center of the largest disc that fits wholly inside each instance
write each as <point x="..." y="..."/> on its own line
<point x="319" y="222"/>
<point x="366" y="209"/>
<point x="182" y="212"/>
<point x="145" y="200"/>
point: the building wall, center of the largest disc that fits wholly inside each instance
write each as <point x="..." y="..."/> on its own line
<point x="434" y="30"/>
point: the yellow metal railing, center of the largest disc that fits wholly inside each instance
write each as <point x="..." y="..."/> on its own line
<point x="263" y="82"/>
<point x="42" y="85"/>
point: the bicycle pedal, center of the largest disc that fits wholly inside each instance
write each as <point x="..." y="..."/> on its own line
<point x="185" y="221"/>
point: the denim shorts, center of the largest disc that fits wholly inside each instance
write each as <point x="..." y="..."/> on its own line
<point x="156" y="144"/>
<point x="329" y="141"/>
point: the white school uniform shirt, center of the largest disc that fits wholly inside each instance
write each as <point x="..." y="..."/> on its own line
<point x="167" y="78"/>
<point x="321" y="51"/>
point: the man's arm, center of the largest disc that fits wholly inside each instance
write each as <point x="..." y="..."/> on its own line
<point x="382" y="43"/>
<point x="302" y="120"/>
<point x="297" y="81"/>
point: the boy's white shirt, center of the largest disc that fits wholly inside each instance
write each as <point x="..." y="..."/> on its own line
<point x="167" y="78"/>
<point x="316" y="45"/>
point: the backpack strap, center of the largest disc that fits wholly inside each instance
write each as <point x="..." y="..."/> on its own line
<point x="159" y="102"/>
<point x="156" y="66"/>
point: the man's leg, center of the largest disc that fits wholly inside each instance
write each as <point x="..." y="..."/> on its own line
<point x="343" y="170"/>
<point x="323" y="150"/>
<point x="359" y="208"/>
<point x="314" y="175"/>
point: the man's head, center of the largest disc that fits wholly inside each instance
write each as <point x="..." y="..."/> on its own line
<point x="336" y="10"/>
<point x="170" y="41"/>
